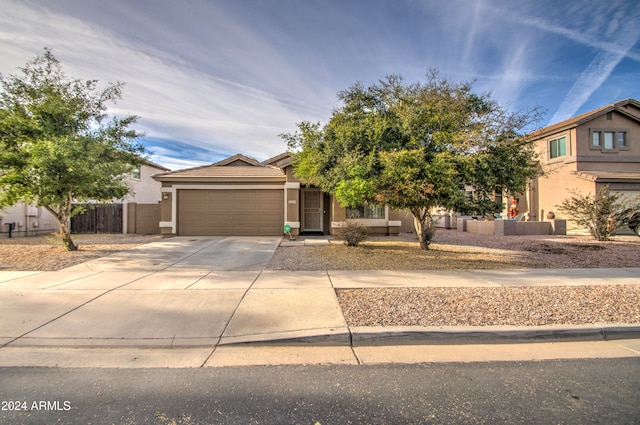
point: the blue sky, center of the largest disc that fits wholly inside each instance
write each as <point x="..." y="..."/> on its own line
<point x="211" y="78"/>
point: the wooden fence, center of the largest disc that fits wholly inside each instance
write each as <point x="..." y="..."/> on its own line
<point x="98" y="218"/>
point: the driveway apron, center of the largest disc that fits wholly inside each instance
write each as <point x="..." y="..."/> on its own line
<point x="178" y="292"/>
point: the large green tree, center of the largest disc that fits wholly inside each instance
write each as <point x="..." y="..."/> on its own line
<point x="417" y="147"/>
<point x="58" y="146"/>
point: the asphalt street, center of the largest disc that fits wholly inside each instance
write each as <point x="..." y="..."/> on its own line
<point x="549" y="392"/>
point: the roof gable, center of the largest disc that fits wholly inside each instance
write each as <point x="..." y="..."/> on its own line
<point x="237" y="167"/>
<point x="154" y="165"/>
<point x="281" y="160"/>
<point x="238" y="160"/>
<point x="628" y="107"/>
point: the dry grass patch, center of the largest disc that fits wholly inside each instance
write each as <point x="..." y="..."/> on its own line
<point x="46" y="253"/>
<point x="389" y="256"/>
<point x="460" y="250"/>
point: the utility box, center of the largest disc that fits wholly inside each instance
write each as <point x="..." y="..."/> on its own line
<point x="31" y="211"/>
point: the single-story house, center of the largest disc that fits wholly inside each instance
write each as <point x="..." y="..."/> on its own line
<point x="600" y="147"/>
<point x="242" y="196"/>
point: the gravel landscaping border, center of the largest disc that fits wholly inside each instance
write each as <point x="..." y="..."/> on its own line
<point x="514" y="306"/>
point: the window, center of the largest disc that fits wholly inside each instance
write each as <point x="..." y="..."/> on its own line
<point x="609" y="140"/>
<point x="135" y="173"/>
<point x="366" y="211"/>
<point x="557" y="147"/>
<point x="622" y="139"/>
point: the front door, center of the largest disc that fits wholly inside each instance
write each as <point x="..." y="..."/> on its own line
<point x="312" y="210"/>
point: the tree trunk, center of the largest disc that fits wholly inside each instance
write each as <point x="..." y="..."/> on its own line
<point x="423" y="224"/>
<point x="62" y="215"/>
<point x="65" y="233"/>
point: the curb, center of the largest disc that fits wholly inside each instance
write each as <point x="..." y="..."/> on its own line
<point x="453" y="335"/>
<point x="490" y="334"/>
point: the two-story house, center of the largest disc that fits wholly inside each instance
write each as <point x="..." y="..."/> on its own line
<point x="600" y="147"/>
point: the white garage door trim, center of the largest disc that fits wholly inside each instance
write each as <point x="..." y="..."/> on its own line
<point x="173" y="190"/>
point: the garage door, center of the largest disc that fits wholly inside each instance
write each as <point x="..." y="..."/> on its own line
<point x="628" y="196"/>
<point x="243" y="212"/>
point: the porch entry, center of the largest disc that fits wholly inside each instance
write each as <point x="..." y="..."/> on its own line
<point x="312" y="210"/>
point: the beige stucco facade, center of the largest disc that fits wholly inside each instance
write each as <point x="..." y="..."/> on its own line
<point x="602" y="147"/>
<point x="250" y="190"/>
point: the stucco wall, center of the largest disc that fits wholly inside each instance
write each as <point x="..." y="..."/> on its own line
<point x="29" y="221"/>
<point x="143" y="219"/>
<point x="145" y="190"/>
<point x="618" y="160"/>
<point x="516" y="228"/>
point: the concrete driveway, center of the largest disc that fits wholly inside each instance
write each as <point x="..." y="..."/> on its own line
<point x="188" y="253"/>
<point x="188" y="293"/>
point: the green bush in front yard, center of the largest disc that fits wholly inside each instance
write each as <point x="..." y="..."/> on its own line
<point x="354" y="232"/>
<point x="601" y="213"/>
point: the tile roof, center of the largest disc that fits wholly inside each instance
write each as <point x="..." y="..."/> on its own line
<point x="238" y="157"/>
<point x="278" y="160"/>
<point x="588" y="116"/>
<point x="228" y="169"/>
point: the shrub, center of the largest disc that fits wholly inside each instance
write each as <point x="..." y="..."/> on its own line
<point x="354" y="232"/>
<point x="600" y="213"/>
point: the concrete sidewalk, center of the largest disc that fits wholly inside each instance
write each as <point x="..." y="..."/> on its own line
<point x="185" y="306"/>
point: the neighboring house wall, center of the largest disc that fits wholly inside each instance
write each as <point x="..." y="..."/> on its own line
<point x="28" y="221"/>
<point x="141" y="208"/>
<point x="144" y="189"/>
<point x="584" y="165"/>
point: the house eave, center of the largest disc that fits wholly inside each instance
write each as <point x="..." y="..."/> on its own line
<point x="257" y="180"/>
<point x="608" y="177"/>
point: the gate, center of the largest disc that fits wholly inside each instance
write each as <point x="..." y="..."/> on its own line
<point x="98" y="218"/>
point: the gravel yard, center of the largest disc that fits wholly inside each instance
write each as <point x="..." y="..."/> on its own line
<point x="516" y="306"/>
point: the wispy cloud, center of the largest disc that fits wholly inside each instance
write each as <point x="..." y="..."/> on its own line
<point x="210" y="78"/>
<point x="613" y="38"/>
<point x="175" y="100"/>
<point x="583" y="37"/>
<point x="589" y="81"/>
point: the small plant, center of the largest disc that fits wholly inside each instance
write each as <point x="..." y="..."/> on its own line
<point x="600" y="213"/>
<point x="55" y="239"/>
<point x="354" y="232"/>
